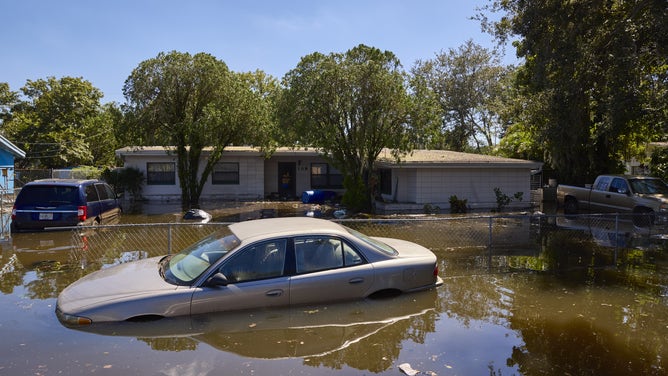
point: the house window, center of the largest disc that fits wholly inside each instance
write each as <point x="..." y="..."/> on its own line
<point x="160" y="173"/>
<point x="225" y="173"/>
<point x="325" y="176"/>
<point x="385" y="181"/>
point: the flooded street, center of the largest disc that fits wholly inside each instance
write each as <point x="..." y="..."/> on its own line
<point x="498" y="313"/>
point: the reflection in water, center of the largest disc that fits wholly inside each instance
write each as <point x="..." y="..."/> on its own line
<point x="577" y="317"/>
<point x="364" y="334"/>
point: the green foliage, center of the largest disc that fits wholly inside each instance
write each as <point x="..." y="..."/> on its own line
<point x="86" y="172"/>
<point x="503" y="200"/>
<point x="659" y="164"/>
<point x="594" y="79"/>
<point x="431" y="209"/>
<point x="191" y="102"/>
<point x="126" y="179"/>
<point x="466" y="83"/>
<point x="356" y="196"/>
<point x="349" y="106"/>
<point x="55" y="123"/>
<point x="8" y="99"/>
<point x="457" y="205"/>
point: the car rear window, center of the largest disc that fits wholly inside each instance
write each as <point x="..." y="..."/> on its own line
<point x="373" y="242"/>
<point x="54" y="195"/>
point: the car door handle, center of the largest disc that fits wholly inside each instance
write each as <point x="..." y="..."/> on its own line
<point x="274" y="293"/>
<point x="356" y="280"/>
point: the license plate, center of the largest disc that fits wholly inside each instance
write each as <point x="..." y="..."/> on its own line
<point x="46" y="216"/>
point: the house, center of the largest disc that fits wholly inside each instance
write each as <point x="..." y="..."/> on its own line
<point x="430" y="177"/>
<point x="8" y="152"/>
<point x="424" y="177"/>
<point x="243" y="173"/>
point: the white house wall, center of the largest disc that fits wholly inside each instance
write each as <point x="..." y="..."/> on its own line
<point x="476" y="185"/>
<point x="250" y="187"/>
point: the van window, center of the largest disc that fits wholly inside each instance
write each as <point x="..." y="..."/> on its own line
<point x="91" y="194"/>
<point x="104" y="191"/>
<point x="37" y="195"/>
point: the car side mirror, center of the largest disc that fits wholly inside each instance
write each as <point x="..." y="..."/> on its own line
<point x="218" y="279"/>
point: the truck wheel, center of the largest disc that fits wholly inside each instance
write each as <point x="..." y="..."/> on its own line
<point x="643" y="217"/>
<point x="570" y="206"/>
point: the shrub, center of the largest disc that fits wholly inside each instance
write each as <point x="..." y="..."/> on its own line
<point x="124" y="179"/>
<point x="457" y="205"/>
<point x="502" y="199"/>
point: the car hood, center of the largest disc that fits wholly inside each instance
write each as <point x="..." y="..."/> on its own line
<point x="119" y="282"/>
<point x="654" y="196"/>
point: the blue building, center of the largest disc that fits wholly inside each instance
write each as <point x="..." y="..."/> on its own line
<point x="8" y="152"/>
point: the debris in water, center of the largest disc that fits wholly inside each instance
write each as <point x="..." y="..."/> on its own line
<point x="407" y="369"/>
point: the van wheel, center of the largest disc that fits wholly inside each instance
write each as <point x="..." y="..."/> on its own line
<point x="570" y="206"/>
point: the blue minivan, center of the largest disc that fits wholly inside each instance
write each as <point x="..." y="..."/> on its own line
<point x="51" y="203"/>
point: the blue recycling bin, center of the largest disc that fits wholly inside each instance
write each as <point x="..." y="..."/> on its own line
<point x="317" y="196"/>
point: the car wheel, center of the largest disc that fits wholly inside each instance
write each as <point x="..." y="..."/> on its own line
<point x="643" y="217"/>
<point x="570" y="206"/>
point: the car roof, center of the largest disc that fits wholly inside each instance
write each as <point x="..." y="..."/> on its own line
<point x="61" y="181"/>
<point x="284" y="226"/>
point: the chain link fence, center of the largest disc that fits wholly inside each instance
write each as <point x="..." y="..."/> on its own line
<point x="502" y="234"/>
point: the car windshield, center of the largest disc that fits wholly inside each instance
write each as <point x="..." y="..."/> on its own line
<point x="373" y="242"/>
<point x="186" y="266"/>
<point x="649" y="186"/>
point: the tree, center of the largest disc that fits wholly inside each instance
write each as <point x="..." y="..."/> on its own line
<point x="8" y="99"/>
<point x="466" y="83"/>
<point x="191" y="102"/>
<point x="594" y="78"/>
<point x="52" y="124"/>
<point x="350" y="106"/>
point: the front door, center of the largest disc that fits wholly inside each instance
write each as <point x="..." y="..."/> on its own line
<point x="286" y="180"/>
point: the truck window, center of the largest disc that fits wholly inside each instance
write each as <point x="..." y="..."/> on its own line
<point x="602" y="183"/>
<point x="619" y="186"/>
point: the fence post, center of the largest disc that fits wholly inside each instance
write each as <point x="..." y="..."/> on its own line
<point x="489" y="244"/>
<point x="169" y="239"/>
<point x="616" y="238"/>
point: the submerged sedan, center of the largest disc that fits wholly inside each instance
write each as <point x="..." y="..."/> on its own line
<point x="255" y="264"/>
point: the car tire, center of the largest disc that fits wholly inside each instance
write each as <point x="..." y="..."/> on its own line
<point x="643" y="217"/>
<point x="570" y="206"/>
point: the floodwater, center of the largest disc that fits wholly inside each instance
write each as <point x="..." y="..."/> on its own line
<point x="496" y="314"/>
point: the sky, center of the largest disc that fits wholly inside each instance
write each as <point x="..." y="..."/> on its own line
<point x="103" y="41"/>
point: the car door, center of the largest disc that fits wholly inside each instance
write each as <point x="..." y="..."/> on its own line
<point x="618" y="198"/>
<point x="597" y="195"/>
<point x="328" y="269"/>
<point x="256" y="279"/>
<point x="109" y="208"/>
<point x="93" y="208"/>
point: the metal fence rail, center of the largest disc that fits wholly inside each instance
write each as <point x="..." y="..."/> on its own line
<point x="508" y="234"/>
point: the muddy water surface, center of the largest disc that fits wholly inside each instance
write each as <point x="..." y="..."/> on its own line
<point x="496" y="314"/>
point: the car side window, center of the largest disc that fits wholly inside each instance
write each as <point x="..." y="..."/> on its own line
<point x="105" y="192"/>
<point x="258" y="261"/>
<point x="602" y="184"/>
<point x="316" y="253"/>
<point x="91" y="194"/>
<point x="350" y="256"/>
<point x="619" y="186"/>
